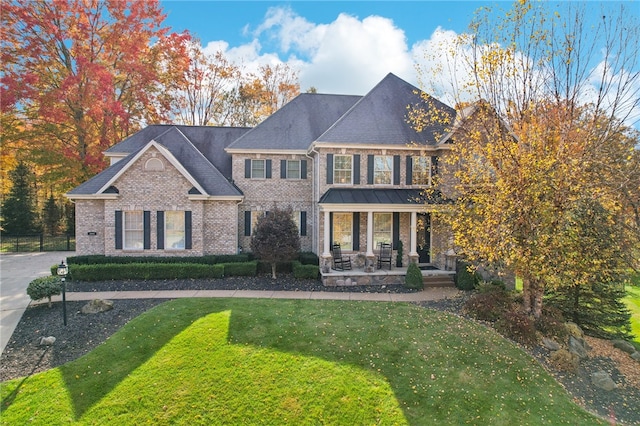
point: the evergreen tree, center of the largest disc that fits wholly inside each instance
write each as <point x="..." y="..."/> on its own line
<point x="275" y="238"/>
<point x="18" y="209"/>
<point x="593" y="298"/>
<point x="51" y="216"/>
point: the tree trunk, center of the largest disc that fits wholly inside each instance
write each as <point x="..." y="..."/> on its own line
<point x="533" y="292"/>
<point x="49" y="301"/>
<point x="273" y="271"/>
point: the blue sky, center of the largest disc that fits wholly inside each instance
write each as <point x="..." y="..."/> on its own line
<point x="377" y="37"/>
<point x="348" y="47"/>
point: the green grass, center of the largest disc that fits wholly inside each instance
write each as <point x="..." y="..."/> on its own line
<point x="250" y="361"/>
<point x="632" y="301"/>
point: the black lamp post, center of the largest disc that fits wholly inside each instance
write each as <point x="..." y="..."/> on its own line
<point x="62" y="273"/>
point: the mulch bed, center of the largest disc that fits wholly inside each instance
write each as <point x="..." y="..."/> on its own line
<point x="24" y="356"/>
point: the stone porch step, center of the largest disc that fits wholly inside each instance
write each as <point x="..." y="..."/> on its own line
<point x="438" y="281"/>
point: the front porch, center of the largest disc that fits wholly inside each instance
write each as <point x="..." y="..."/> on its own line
<point x="431" y="277"/>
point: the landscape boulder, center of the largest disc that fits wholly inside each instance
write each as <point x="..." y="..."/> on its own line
<point x="603" y="380"/>
<point x="578" y="346"/>
<point x="623" y="345"/>
<point x="636" y="356"/>
<point x="96" y="306"/>
<point x="550" y="344"/>
<point x="574" y="330"/>
<point x="47" y="341"/>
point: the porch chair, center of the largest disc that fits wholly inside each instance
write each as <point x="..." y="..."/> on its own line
<point x="384" y="255"/>
<point x="340" y="263"/>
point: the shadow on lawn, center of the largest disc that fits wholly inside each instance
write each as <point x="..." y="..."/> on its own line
<point x="88" y="379"/>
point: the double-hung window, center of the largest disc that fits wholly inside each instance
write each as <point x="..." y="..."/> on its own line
<point x="421" y="172"/>
<point x="174" y="234"/>
<point x="382" y="169"/>
<point x="133" y="230"/>
<point x="258" y="169"/>
<point x="293" y="169"/>
<point x="382" y="228"/>
<point x="342" y="169"/>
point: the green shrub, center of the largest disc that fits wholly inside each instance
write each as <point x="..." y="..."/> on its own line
<point x="246" y="269"/>
<point x="551" y="323"/>
<point x="145" y="271"/>
<point x="488" y="306"/>
<point x="564" y="360"/>
<point x="44" y="287"/>
<point x="413" y="279"/>
<point x="309" y="258"/>
<point x="205" y="260"/>
<point x="517" y="325"/>
<point x="466" y="280"/>
<point x="301" y="271"/>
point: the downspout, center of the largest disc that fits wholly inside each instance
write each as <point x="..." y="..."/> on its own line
<point x="315" y="159"/>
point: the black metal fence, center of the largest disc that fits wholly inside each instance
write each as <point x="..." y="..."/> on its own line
<point x="37" y="242"/>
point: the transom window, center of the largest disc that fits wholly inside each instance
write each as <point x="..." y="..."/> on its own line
<point x="174" y="232"/>
<point x="293" y="169"/>
<point x="343" y="230"/>
<point x="421" y="172"/>
<point x="382" y="169"/>
<point x="342" y="169"/>
<point x="258" y="169"/>
<point x="133" y="230"/>
<point x="382" y="228"/>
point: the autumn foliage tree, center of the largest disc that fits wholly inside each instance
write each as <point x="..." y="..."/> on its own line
<point x="545" y="128"/>
<point x="275" y="238"/>
<point x="80" y="75"/>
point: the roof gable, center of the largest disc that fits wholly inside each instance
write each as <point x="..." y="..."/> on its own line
<point x="380" y="117"/>
<point x="297" y="124"/>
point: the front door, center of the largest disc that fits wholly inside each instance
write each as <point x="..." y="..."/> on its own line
<point x="423" y="238"/>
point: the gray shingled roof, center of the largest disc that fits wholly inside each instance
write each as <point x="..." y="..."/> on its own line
<point x="297" y="124"/>
<point x="199" y="167"/>
<point x="209" y="140"/>
<point x="380" y="117"/>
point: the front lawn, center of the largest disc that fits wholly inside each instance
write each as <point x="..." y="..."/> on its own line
<point x="261" y="361"/>
<point x="632" y="300"/>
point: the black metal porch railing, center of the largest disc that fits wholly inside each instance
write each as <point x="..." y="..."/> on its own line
<point x="36" y="242"/>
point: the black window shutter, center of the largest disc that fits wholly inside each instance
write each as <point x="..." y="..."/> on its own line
<point x="303" y="223"/>
<point x="329" y="168"/>
<point x="396" y="230"/>
<point x="118" y="229"/>
<point x="303" y="169"/>
<point x="434" y="166"/>
<point x="356" y="231"/>
<point x="268" y="169"/>
<point x="370" y="169"/>
<point x="187" y="230"/>
<point x="356" y="169"/>
<point x="396" y="170"/>
<point x="247" y="168"/>
<point x="409" y="170"/>
<point x="283" y="169"/>
<point x="160" y="230"/>
<point x="146" y="220"/>
<point x="247" y="223"/>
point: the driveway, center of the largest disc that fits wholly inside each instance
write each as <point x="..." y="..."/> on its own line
<point x="17" y="270"/>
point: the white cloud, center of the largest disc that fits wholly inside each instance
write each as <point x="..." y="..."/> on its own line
<point x="347" y="56"/>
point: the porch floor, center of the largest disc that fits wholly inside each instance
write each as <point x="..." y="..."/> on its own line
<point x="431" y="277"/>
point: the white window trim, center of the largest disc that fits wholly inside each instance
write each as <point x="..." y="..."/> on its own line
<point x="299" y="169"/>
<point x="167" y="245"/>
<point x="342" y="246"/>
<point x="413" y="170"/>
<point x="335" y="170"/>
<point x="264" y="168"/>
<point x="390" y="171"/>
<point x="125" y="241"/>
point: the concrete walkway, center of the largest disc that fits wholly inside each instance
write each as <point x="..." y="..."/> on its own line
<point x="18" y="270"/>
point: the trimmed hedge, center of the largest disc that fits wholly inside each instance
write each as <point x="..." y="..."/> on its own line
<point x="145" y="271"/>
<point x="205" y="260"/>
<point x="301" y="271"/>
<point x="309" y="258"/>
<point x="247" y="269"/>
<point x="413" y="279"/>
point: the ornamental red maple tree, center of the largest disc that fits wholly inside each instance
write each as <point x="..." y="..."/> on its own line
<point x="84" y="74"/>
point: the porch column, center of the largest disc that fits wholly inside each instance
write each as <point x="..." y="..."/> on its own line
<point x="413" y="251"/>
<point x="327" y="235"/>
<point x="370" y="234"/>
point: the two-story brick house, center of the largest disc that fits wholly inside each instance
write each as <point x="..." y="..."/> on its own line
<point x="352" y="168"/>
